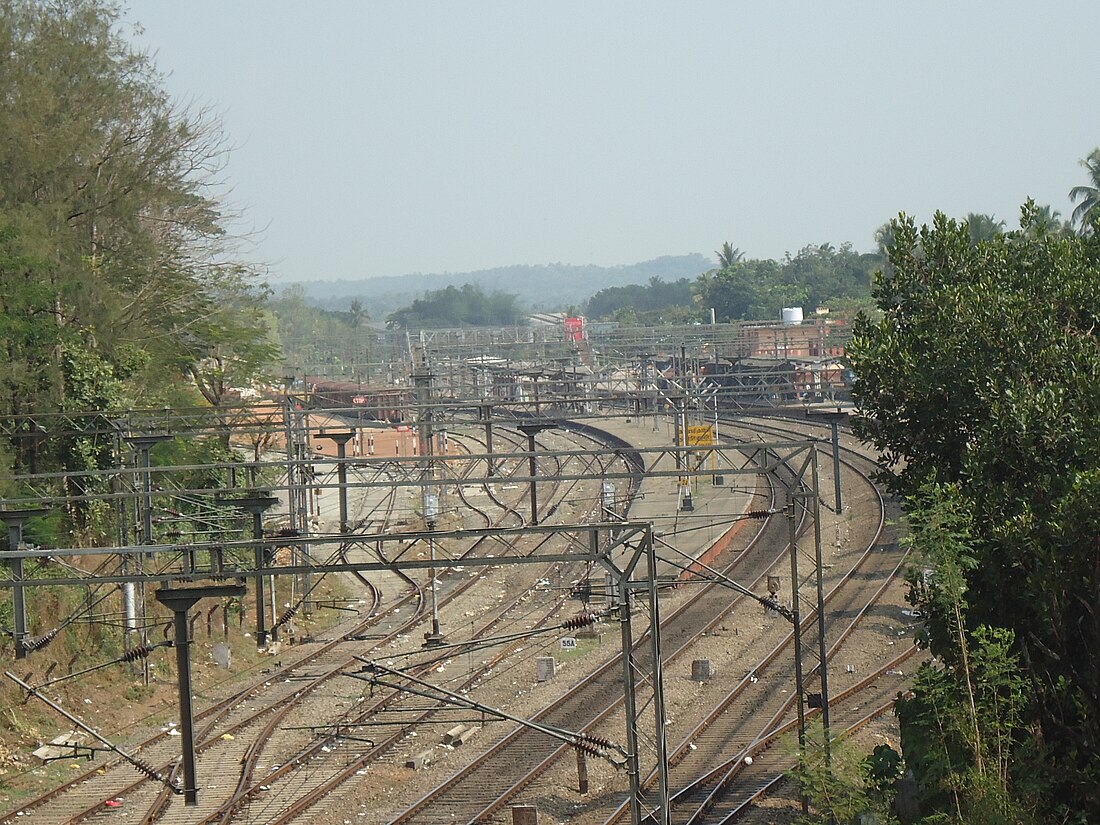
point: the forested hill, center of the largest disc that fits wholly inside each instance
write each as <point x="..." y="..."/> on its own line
<point x="546" y="287"/>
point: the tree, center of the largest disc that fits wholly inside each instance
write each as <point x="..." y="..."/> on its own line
<point x="318" y="341"/>
<point x="820" y="274"/>
<point x="982" y="373"/>
<point x="357" y="315"/>
<point x="983" y="227"/>
<point x="844" y="787"/>
<point x="1087" y="212"/>
<point x="452" y="307"/>
<point x="1048" y="221"/>
<point x="961" y="723"/>
<point x="729" y="255"/>
<point x="748" y="290"/>
<point x="228" y="348"/>
<point x="827" y="274"/>
<point x="119" y="278"/>
<point x="109" y="190"/>
<point x="648" y="302"/>
<point x="884" y="239"/>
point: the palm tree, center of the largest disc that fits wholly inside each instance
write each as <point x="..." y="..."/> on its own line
<point x="1087" y="212"/>
<point x="356" y="314"/>
<point x="884" y="238"/>
<point x="729" y="255"/>
<point x="983" y="227"/>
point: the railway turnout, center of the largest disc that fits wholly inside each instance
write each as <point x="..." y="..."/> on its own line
<point x="479" y="555"/>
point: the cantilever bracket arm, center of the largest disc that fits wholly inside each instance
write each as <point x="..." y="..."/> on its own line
<point x="598" y="746"/>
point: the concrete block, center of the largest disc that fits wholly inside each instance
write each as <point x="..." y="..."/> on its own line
<point x="701" y="670"/>
<point x="545" y="668"/>
<point x="65" y="746"/>
<point x="464" y="737"/>
<point x="419" y="761"/>
<point x="450" y="736"/>
<point x="222" y="655"/>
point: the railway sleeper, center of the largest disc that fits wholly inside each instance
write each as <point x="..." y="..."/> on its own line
<point x="459" y="735"/>
<point x="464" y="737"/>
<point x="450" y="736"/>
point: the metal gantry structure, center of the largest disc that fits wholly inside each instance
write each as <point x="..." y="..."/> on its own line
<point x="230" y="543"/>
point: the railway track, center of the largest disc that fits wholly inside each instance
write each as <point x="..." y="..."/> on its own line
<point x="725" y="793"/>
<point x="223" y="742"/>
<point x="515" y="761"/>
<point x="292" y="769"/>
<point x="318" y="769"/>
<point x="84" y="795"/>
<point x="703" y="793"/>
<point x="462" y="797"/>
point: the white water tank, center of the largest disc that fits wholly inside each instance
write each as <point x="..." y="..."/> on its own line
<point x="792" y="315"/>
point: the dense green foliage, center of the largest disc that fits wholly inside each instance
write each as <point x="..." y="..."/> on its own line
<point x="118" y="280"/>
<point x="981" y="386"/>
<point x="847" y="786"/>
<point x="666" y="290"/>
<point x="741" y="289"/>
<point x="759" y="289"/>
<point x="324" y="342"/>
<point x="657" y="302"/>
<point x="459" y="307"/>
<point x="962" y="724"/>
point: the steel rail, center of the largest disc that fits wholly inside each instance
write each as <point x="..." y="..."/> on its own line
<point x="212" y="715"/>
<point x="687" y="744"/>
<point x="314" y="750"/>
<point x="349" y="769"/>
<point x="609" y="670"/>
<point x="502" y="797"/>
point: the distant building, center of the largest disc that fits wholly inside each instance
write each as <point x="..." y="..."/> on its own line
<point x="375" y="403"/>
<point x="816" y="338"/>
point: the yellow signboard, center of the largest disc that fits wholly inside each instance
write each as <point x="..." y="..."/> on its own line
<point x="700" y="435"/>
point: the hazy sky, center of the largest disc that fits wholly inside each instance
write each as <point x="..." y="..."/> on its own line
<point x="386" y="138"/>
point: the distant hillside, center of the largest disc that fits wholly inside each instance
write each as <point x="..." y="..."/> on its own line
<point x="545" y="287"/>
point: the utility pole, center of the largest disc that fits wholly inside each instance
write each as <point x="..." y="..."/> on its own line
<point x="429" y="497"/>
<point x="144" y="445"/>
<point x="291" y="467"/>
<point x="299" y="522"/>
<point x="680" y="432"/>
<point x="718" y="479"/>
<point x="122" y="524"/>
<point x="823" y="648"/>
<point x="434" y="637"/>
<point x="15" y="519"/>
<point x="834" y="419"/>
<point x="658" y="683"/>
<point x="255" y="506"/>
<point x="341" y="438"/>
<point x="531" y="429"/>
<point x="623" y="586"/>
<point x="812" y="505"/>
<point x="179" y="601"/>
<point x="485" y="412"/>
<point x="629" y="702"/>
<point x="796" y="618"/>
